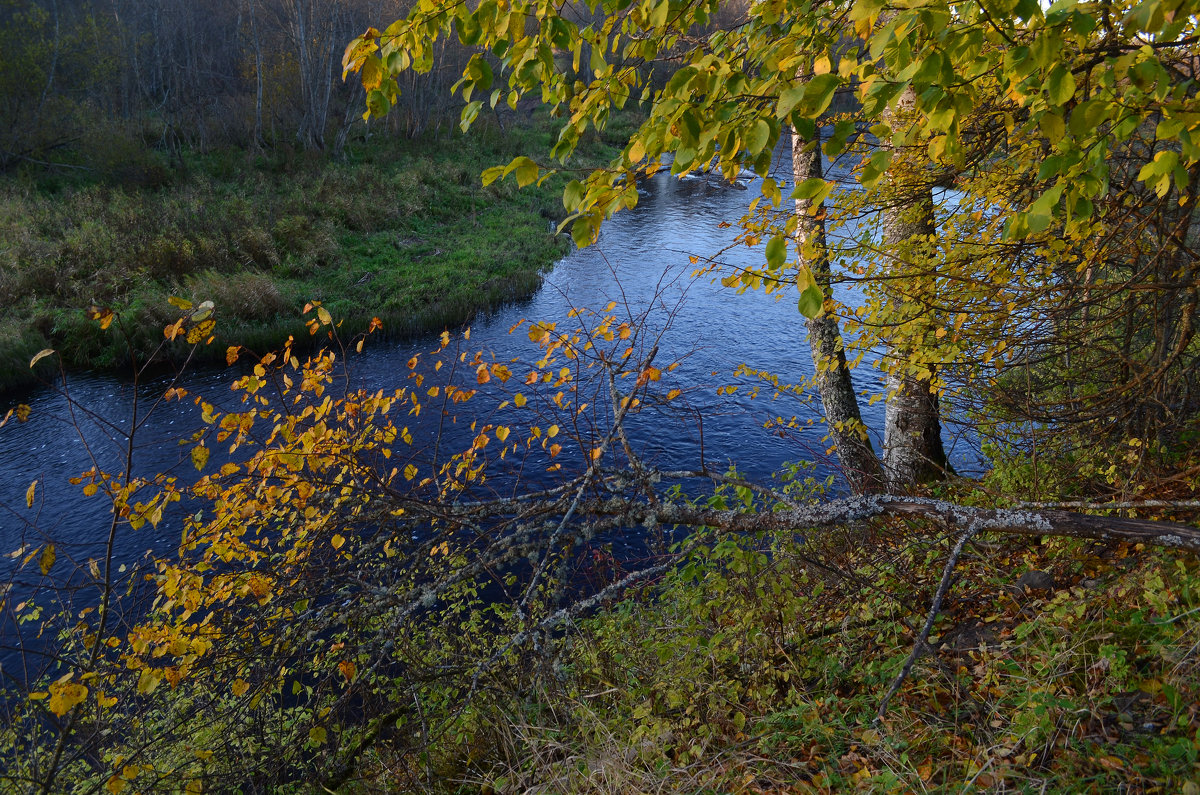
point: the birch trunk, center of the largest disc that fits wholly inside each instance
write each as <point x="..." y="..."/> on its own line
<point x="912" y="438"/>
<point x="859" y="463"/>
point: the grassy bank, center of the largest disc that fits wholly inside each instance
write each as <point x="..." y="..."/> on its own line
<point x="758" y="667"/>
<point x="397" y="229"/>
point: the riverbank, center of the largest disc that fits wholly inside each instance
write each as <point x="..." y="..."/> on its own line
<point x="759" y="666"/>
<point x="398" y="229"/>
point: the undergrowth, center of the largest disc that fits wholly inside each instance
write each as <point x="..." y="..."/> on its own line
<point x="758" y="666"/>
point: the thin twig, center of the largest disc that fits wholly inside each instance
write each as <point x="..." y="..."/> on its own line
<point x="934" y="609"/>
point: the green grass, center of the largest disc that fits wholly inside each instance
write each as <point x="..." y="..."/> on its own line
<point x="402" y="230"/>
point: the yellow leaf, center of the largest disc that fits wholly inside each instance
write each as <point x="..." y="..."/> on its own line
<point x="324" y="316"/>
<point x="29" y="492"/>
<point x="239" y="687"/>
<point x="316" y="735"/>
<point x="337" y="541"/>
<point x="502" y="433"/>
<point x="116" y="785"/>
<point x="149" y="680"/>
<point x="104" y="700"/>
<point x="552" y="431"/>
<point x="199" y="457"/>
<point x="65" y="695"/>
<point x="941" y="332"/>
<point x="46" y="561"/>
<point x="182" y="303"/>
<point x="519" y="400"/>
<point x="410" y="472"/>
<point x="231" y="354"/>
<point x="39" y="356"/>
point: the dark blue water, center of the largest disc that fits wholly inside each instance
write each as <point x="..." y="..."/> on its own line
<point x="643" y="262"/>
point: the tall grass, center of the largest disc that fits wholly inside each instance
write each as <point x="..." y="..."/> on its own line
<point x="398" y="229"/>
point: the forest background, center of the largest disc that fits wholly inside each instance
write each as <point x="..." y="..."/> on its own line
<point x="339" y="617"/>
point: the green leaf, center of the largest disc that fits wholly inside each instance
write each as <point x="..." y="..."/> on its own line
<point x="1052" y="126"/>
<point x="811" y="301"/>
<point x="788" y="100"/>
<point x="1163" y="163"/>
<point x="480" y="71"/>
<point x="377" y="104"/>
<point x="573" y="195"/>
<point x="819" y="93"/>
<point x="469" y="114"/>
<point x="813" y="188"/>
<point x="583" y="231"/>
<point x="776" y="252"/>
<point x="203" y="312"/>
<point x="757" y="138"/>
<point x="876" y="167"/>
<point x="1060" y="84"/>
<point x="1169" y="129"/>
<point x="770" y="190"/>
<point x="1088" y="116"/>
<point x="658" y="14"/>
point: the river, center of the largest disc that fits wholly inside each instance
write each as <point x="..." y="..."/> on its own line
<point x="642" y="261"/>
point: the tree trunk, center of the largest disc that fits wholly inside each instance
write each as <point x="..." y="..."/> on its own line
<point x="912" y="438"/>
<point x="859" y="463"/>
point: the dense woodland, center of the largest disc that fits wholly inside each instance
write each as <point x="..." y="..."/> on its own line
<point x="93" y="85"/>
<point x="353" y="610"/>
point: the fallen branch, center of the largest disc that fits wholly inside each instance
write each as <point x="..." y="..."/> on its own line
<point x="1067" y="524"/>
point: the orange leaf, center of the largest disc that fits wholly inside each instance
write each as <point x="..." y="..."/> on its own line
<point x="348" y="669"/>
